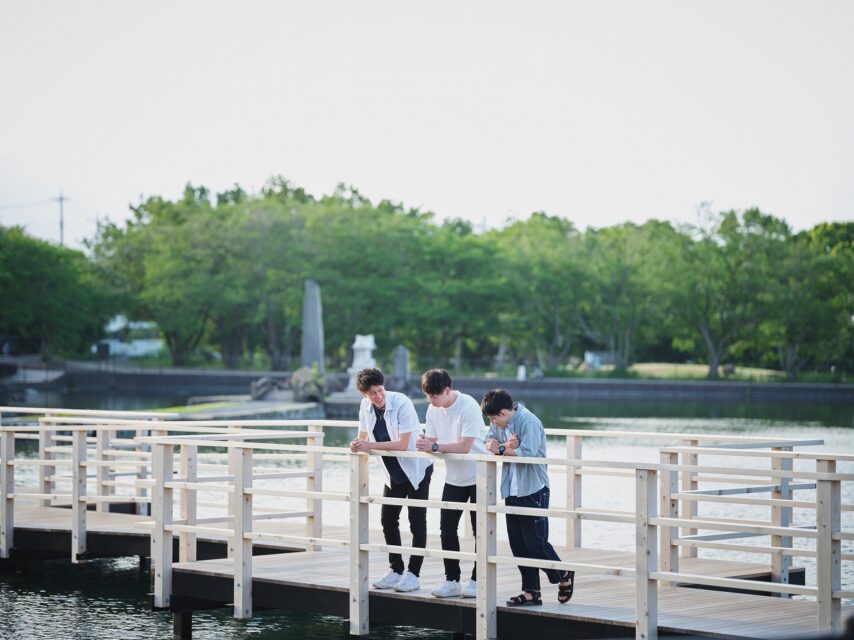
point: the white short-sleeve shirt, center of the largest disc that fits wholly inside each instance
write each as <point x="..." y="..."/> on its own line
<point x="400" y="417"/>
<point x="463" y="419"/>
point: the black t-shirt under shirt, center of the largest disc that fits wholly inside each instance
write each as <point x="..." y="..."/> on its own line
<point x="381" y="435"/>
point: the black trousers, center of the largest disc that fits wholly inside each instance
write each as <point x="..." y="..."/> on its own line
<point x="529" y="538"/>
<point x="390" y="518"/>
<point x="449" y="521"/>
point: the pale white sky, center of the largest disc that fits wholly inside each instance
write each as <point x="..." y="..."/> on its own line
<point x="598" y="111"/>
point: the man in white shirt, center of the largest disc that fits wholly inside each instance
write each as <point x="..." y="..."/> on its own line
<point x="387" y="422"/>
<point x="454" y="425"/>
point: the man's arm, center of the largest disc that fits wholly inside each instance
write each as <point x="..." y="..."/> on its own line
<point x="363" y="436"/>
<point x="463" y="445"/>
<point x="394" y="445"/>
<point x="527" y="440"/>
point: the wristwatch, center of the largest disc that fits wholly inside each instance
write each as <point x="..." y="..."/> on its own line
<point x="435" y="447"/>
<point x="501" y="449"/>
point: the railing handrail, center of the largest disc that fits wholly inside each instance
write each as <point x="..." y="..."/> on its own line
<point x="663" y="435"/>
<point x="90" y="417"/>
<point x="85" y="412"/>
<point x="763" y="453"/>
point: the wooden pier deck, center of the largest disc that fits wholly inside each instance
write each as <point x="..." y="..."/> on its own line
<point x="602" y="606"/>
<point x="289" y="579"/>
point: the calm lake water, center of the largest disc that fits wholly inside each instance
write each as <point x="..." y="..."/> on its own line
<point x="108" y="598"/>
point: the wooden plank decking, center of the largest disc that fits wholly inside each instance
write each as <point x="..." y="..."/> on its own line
<point x="599" y="600"/>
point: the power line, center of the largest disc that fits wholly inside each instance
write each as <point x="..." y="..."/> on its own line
<point x="25" y="205"/>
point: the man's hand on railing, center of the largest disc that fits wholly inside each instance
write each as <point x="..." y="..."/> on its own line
<point x="424" y="444"/>
<point x="358" y="445"/>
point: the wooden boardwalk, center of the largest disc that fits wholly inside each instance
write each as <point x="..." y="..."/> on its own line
<point x="605" y="604"/>
<point x="261" y="540"/>
<point x="602" y="604"/>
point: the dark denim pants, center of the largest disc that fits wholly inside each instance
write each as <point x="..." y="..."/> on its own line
<point x="529" y="538"/>
<point x="390" y="518"/>
<point x="449" y="522"/>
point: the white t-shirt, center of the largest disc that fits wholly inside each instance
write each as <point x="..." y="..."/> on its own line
<point x="463" y="419"/>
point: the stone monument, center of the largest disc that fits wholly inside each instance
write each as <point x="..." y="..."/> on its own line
<point x="363" y="347"/>
<point x="400" y="369"/>
<point x="312" y="328"/>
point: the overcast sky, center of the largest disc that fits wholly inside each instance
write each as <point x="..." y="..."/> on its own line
<point x="602" y="112"/>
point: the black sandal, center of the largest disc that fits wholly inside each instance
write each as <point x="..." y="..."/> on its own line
<point x="564" y="592"/>
<point x="522" y="601"/>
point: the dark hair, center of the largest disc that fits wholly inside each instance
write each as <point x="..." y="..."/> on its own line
<point x="369" y="377"/>
<point x="496" y="400"/>
<point x="435" y="381"/>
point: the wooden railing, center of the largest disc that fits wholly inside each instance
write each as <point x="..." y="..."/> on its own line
<point x="72" y="446"/>
<point x="664" y="514"/>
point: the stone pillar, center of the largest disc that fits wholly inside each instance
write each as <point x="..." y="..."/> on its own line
<point x="312" y="327"/>
<point x="400" y="368"/>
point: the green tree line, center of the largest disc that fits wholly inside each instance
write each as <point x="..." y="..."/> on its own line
<point x="224" y="272"/>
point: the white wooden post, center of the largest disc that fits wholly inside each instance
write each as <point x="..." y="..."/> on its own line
<point x="646" y="608"/>
<point x="142" y="473"/>
<point x="828" y="551"/>
<point x="573" y="491"/>
<point x="7" y="487"/>
<point x="46" y="472"/>
<point x="781" y="517"/>
<point x="241" y="469"/>
<point x="689" y="507"/>
<point x="668" y="507"/>
<point x="188" y="498"/>
<point x="78" y="494"/>
<point x="314" y="482"/>
<point x="359" y="535"/>
<point x="486" y="624"/>
<point x="161" y="539"/>
<point x="232" y="507"/>
<point x="102" y="473"/>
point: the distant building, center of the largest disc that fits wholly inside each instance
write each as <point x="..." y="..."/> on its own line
<point x="129" y="339"/>
<point x="597" y="359"/>
<point x="111" y="347"/>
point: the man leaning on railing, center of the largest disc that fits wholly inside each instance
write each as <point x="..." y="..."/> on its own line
<point x="388" y="422"/>
<point x="515" y="431"/>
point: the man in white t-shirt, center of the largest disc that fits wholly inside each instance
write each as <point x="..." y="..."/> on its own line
<point x="454" y="425"/>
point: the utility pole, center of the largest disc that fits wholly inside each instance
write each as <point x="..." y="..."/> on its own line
<point x="61" y="200"/>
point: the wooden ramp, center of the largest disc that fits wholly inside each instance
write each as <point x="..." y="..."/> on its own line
<point x="603" y="606"/>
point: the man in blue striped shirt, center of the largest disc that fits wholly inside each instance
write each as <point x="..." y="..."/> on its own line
<point x="515" y="431"/>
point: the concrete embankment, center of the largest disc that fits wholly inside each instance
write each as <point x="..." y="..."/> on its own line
<point x="201" y="382"/>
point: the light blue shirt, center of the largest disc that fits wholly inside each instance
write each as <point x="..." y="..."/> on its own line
<point x="522" y="479"/>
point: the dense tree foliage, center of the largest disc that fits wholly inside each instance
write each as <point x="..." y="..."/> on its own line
<point x="51" y="298"/>
<point x="223" y="273"/>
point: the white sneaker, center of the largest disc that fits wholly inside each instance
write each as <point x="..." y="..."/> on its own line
<point x="409" y="582"/>
<point x="470" y="590"/>
<point x="448" y="589"/>
<point x="390" y="580"/>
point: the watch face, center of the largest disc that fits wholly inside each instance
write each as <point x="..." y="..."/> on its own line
<point x="435" y="446"/>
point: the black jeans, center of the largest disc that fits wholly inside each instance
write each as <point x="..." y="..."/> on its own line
<point x="390" y="518"/>
<point x="529" y="538"/>
<point x="449" y="521"/>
